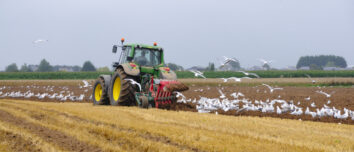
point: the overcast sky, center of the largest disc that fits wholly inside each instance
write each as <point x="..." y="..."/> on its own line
<point x="192" y="32"/>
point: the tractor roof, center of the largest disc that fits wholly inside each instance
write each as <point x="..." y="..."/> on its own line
<point x="143" y="45"/>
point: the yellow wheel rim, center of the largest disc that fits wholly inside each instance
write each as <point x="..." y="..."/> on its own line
<point x="98" y="92"/>
<point x="116" y="88"/>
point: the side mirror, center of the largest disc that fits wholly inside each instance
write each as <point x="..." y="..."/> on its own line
<point x="114" y="50"/>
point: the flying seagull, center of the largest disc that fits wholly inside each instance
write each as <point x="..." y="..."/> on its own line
<point x="313" y="81"/>
<point x="40" y="41"/>
<point x="222" y="95"/>
<point x="197" y="73"/>
<point x="246" y="73"/>
<point x="271" y="88"/>
<point x="265" y="61"/>
<point x="324" y="93"/>
<point x="180" y="95"/>
<point x="86" y="84"/>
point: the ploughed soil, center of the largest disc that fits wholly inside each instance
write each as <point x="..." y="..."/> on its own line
<point x="341" y="97"/>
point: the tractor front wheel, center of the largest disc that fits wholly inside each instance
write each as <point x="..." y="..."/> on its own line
<point x="99" y="93"/>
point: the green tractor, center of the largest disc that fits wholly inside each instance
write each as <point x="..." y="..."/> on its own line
<point x="141" y="78"/>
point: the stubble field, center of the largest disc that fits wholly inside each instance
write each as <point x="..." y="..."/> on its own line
<point x="49" y="126"/>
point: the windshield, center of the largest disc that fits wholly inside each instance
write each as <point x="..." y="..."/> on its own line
<point x="147" y="57"/>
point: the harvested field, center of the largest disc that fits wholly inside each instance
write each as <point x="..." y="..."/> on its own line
<point x="106" y="128"/>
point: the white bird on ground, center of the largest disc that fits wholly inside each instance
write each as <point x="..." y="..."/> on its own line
<point x="224" y="79"/>
<point x="308" y="112"/>
<point x="81" y="97"/>
<point x="297" y="112"/>
<point x="312" y="80"/>
<point x="308" y="98"/>
<point x="278" y="110"/>
<point x="271" y="88"/>
<point x="29" y="95"/>
<point x="53" y="96"/>
<point x="39" y="41"/>
<point x="42" y="96"/>
<point x="329" y="101"/>
<point x="313" y="104"/>
<point x="246" y="73"/>
<point x="222" y="95"/>
<point x="197" y="73"/>
<point x="134" y="82"/>
<point x="339" y="116"/>
<point x="236" y="95"/>
<point x="324" y="93"/>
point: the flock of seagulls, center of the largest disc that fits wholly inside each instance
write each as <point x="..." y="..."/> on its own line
<point x="207" y="105"/>
<point x="29" y="94"/>
<point x="64" y="95"/>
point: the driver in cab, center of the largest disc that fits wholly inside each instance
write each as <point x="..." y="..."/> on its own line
<point x="141" y="60"/>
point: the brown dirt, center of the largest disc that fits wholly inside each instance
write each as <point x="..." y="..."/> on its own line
<point x="62" y="140"/>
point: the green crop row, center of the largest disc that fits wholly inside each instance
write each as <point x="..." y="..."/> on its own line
<point x="180" y="74"/>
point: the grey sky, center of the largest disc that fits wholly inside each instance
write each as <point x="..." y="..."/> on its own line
<point x="192" y="32"/>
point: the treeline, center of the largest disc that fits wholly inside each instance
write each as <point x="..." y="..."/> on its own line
<point x="321" y="61"/>
<point x="180" y="74"/>
<point x="44" y="66"/>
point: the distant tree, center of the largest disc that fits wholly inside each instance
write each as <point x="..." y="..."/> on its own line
<point x="76" y="68"/>
<point x="235" y="65"/>
<point x="44" y="66"/>
<point x="322" y="61"/>
<point x="88" y="66"/>
<point x="12" y="68"/>
<point x="266" y="66"/>
<point x="25" y="68"/>
<point x="330" y="64"/>
<point x="315" y="67"/>
<point x="211" y="67"/>
<point x="103" y="69"/>
<point x="175" y="67"/>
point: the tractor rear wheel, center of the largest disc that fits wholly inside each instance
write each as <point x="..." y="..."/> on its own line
<point x="99" y="94"/>
<point x="122" y="92"/>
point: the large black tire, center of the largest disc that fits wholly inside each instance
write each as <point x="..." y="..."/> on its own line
<point x="126" y="96"/>
<point x="99" y="93"/>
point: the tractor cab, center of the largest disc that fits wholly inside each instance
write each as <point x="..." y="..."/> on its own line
<point x="140" y="54"/>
